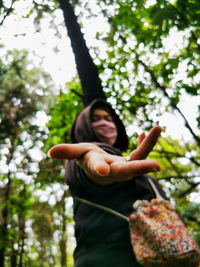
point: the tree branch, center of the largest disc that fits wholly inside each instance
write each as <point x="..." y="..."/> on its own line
<point x="193" y="219"/>
<point x="167" y="178"/>
<point x="164" y="91"/>
<point x="184" y="19"/>
<point x="7" y="12"/>
<point x="186" y="192"/>
<point x="77" y="93"/>
<point x="177" y="155"/>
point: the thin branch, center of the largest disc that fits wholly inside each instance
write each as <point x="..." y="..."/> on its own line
<point x="8" y="12"/>
<point x="77" y="93"/>
<point x="164" y="90"/>
<point x="173" y="166"/>
<point x="167" y="178"/>
<point x="184" y="19"/>
<point x="177" y="155"/>
<point x="162" y="87"/>
<point x="186" y="192"/>
<point x="193" y="219"/>
<point x="13" y="64"/>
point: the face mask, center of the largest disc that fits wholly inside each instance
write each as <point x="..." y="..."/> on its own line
<point x="106" y="130"/>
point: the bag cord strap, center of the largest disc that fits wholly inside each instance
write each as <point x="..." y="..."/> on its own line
<point x="103" y="208"/>
<point x="158" y="196"/>
<point x="114" y="212"/>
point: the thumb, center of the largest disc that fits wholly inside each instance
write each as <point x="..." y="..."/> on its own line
<point x="70" y="151"/>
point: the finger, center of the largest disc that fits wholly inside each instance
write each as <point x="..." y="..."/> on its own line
<point x="141" y="138"/>
<point x="101" y="167"/>
<point x="147" y="144"/>
<point x="70" y="151"/>
<point x="95" y="164"/>
<point x="134" y="168"/>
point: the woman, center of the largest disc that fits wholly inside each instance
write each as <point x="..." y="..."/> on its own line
<point x="96" y="171"/>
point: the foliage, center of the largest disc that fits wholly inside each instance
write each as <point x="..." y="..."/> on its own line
<point x="151" y="66"/>
<point x="63" y="112"/>
<point x="61" y="119"/>
<point x="38" y="8"/>
<point x="140" y="58"/>
<point x="27" y="223"/>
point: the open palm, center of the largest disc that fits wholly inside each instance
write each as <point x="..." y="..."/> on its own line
<point x="104" y="168"/>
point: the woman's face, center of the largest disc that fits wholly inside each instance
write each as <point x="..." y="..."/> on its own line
<point x="104" y="126"/>
<point x="100" y="114"/>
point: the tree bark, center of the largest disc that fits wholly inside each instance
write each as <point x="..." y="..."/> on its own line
<point x="87" y="70"/>
<point x="5" y="210"/>
<point x="22" y="233"/>
<point x="63" y="241"/>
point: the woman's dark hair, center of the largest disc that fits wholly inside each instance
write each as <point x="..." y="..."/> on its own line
<point x="102" y="105"/>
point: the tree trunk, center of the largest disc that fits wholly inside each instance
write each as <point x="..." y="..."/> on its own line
<point x="13" y="258"/>
<point x="21" y="238"/>
<point x="87" y="70"/>
<point x="4" y="230"/>
<point x="5" y="209"/>
<point x="63" y="241"/>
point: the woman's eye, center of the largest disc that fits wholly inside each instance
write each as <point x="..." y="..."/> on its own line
<point x="95" y="118"/>
<point x="108" y="118"/>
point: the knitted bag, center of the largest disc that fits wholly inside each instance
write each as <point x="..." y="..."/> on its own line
<point x="159" y="237"/>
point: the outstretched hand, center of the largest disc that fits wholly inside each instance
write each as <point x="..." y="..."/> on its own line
<point x="104" y="168"/>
